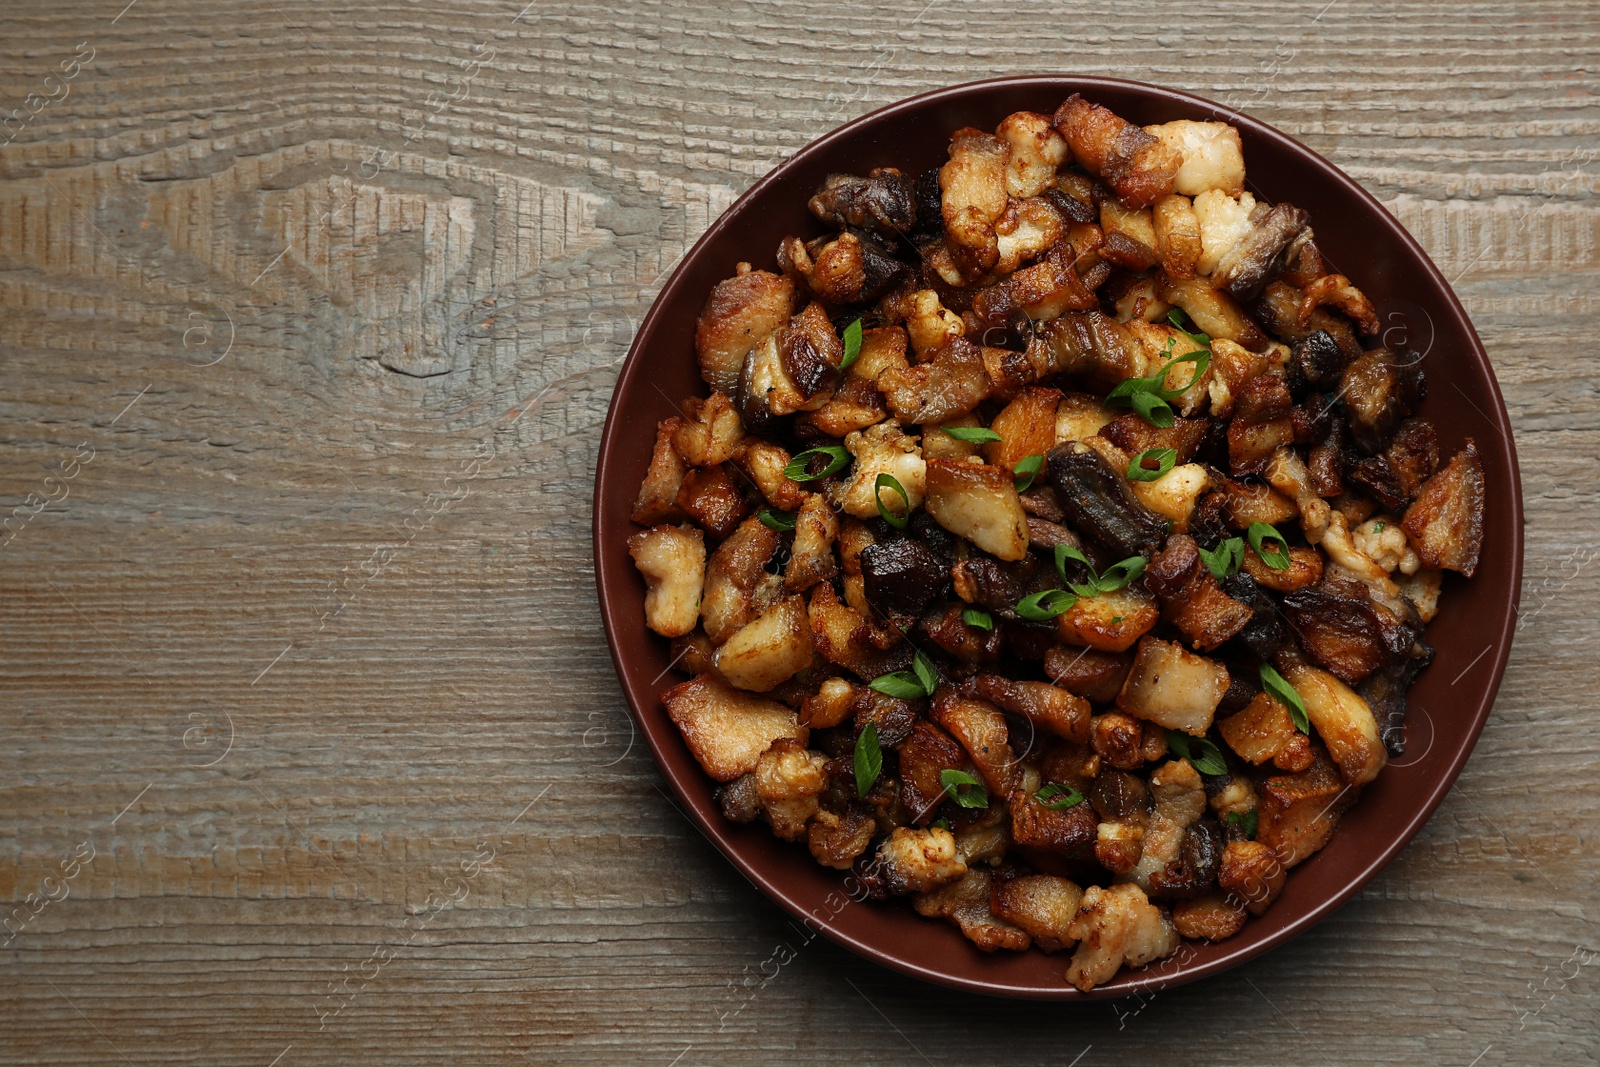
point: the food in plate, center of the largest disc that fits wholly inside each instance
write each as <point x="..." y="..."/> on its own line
<point x="1056" y="542"/>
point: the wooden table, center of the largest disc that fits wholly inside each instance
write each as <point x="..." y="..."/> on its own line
<point x="313" y="750"/>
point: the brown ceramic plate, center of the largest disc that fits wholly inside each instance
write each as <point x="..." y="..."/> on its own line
<point x="1472" y="632"/>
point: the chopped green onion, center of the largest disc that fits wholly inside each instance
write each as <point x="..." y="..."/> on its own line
<point x="1246" y="823"/>
<point x="1058" y="797"/>
<point x="1225" y="558"/>
<point x="1120" y="574"/>
<point x="1177" y="316"/>
<point x="781" y="521"/>
<point x="852" y="345"/>
<point x="980" y="620"/>
<point x="914" y="684"/>
<point x="838" y="458"/>
<point x="1042" y="607"/>
<point x="1163" y="458"/>
<point x="1116" y="576"/>
<point x="889" y="481"/>
<point x="972" y="435"/>
<point x="869" y="759"/>
<point x="1026" y="470"/>
<point x="1206" y="757"/>
<point x="1276" y="558"/>
<point x="1287" y="695"/>
<point x="965" y="789"/>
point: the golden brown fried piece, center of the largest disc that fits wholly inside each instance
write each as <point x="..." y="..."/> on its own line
<point x="1139" y="166"/>
<point x="1446" y="520"/>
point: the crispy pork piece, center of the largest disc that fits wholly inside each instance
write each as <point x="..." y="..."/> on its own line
<point x="1191" y="598"/>
<point x="711" y="497"/>
<point x="952" y="382"/>
<point x="1446" y="520"/>
<point x="1048" y="707"/>
<point x="1041" y="904"/>
<point x="973" y="184"/>
<point x="672" y="560"/>
<point x="1335" y="289"/>
<point x="1212" y="917"/>
<point x="741" y="312"/>
<point x="811" y="559"/>
<point x="1180" y="802"/>
<point x="1119" y="740"/>
<point x="980" y="503"/>
<point x="846" y="268"/>
<point x="1252" y="875"/>
<point x="1172" y="687"/>
<point x="1036" y="151"/>
<point x="915" y="861"/>
<point x="1214" y="311"/>
<point x="982" y="731"/>
<point x="1304" y="569"/>
<point x="1177" y="231"/>
<point x="1093" y="675"/>
<point x="1380" y="391"/>
<point x="1213" y="158"/>
<point x="1141" y="167"/>
<point x="837" y="839"/>
<point x="1061" y="832"/>
<point x="726" y="729"/>
<point x="965" y="902"/>
<point x="789" y="778"/>
<point x="1261" y="424"/>
<point x="1117" y="926"/>
<point x="1024" y="231"/>
<point x="926" y="754"/>
<point x="1122" y="802"/>
<point x="710" y="431"/>
<point x="658" y="493"/>
<point x="883" y="202"/>
<point x="1027" y="426"/>
<point x="1343" y="720"/>
<point x="1110" y="622"/>
<point x="1264" y="731"/>
<point x="1299" y="812"/>
<point x="880" y="449"/>
<point x="737" y="585"/>
<point x="771" y="648"/>
<point x="765" y="463"/>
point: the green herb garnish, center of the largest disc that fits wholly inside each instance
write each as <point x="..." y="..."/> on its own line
<point x="781" y="521"/>
<point x="1058" y="797"/>
<point x="965" y="789"/>
<point x="889" y="481"/>
<point x="1163" y="458"/>
<point x="1042" y="607"/>
<point x="1274" y="683"/>
<point x="1276" y="558"/>
<point x="981" y="620"/>
<point x="914" y="684"/>
<point x="1206" y="757"/>
<point x="972" y="435"/>
<point x="1225" y="558"/>
<point x="852" y="345"/>
<point x="1026" y="470"/>
<point x="838" y="458"/>
<point x="869" y="759"/>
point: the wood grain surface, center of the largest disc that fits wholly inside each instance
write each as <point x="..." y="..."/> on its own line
<point x="313" y="752"/>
